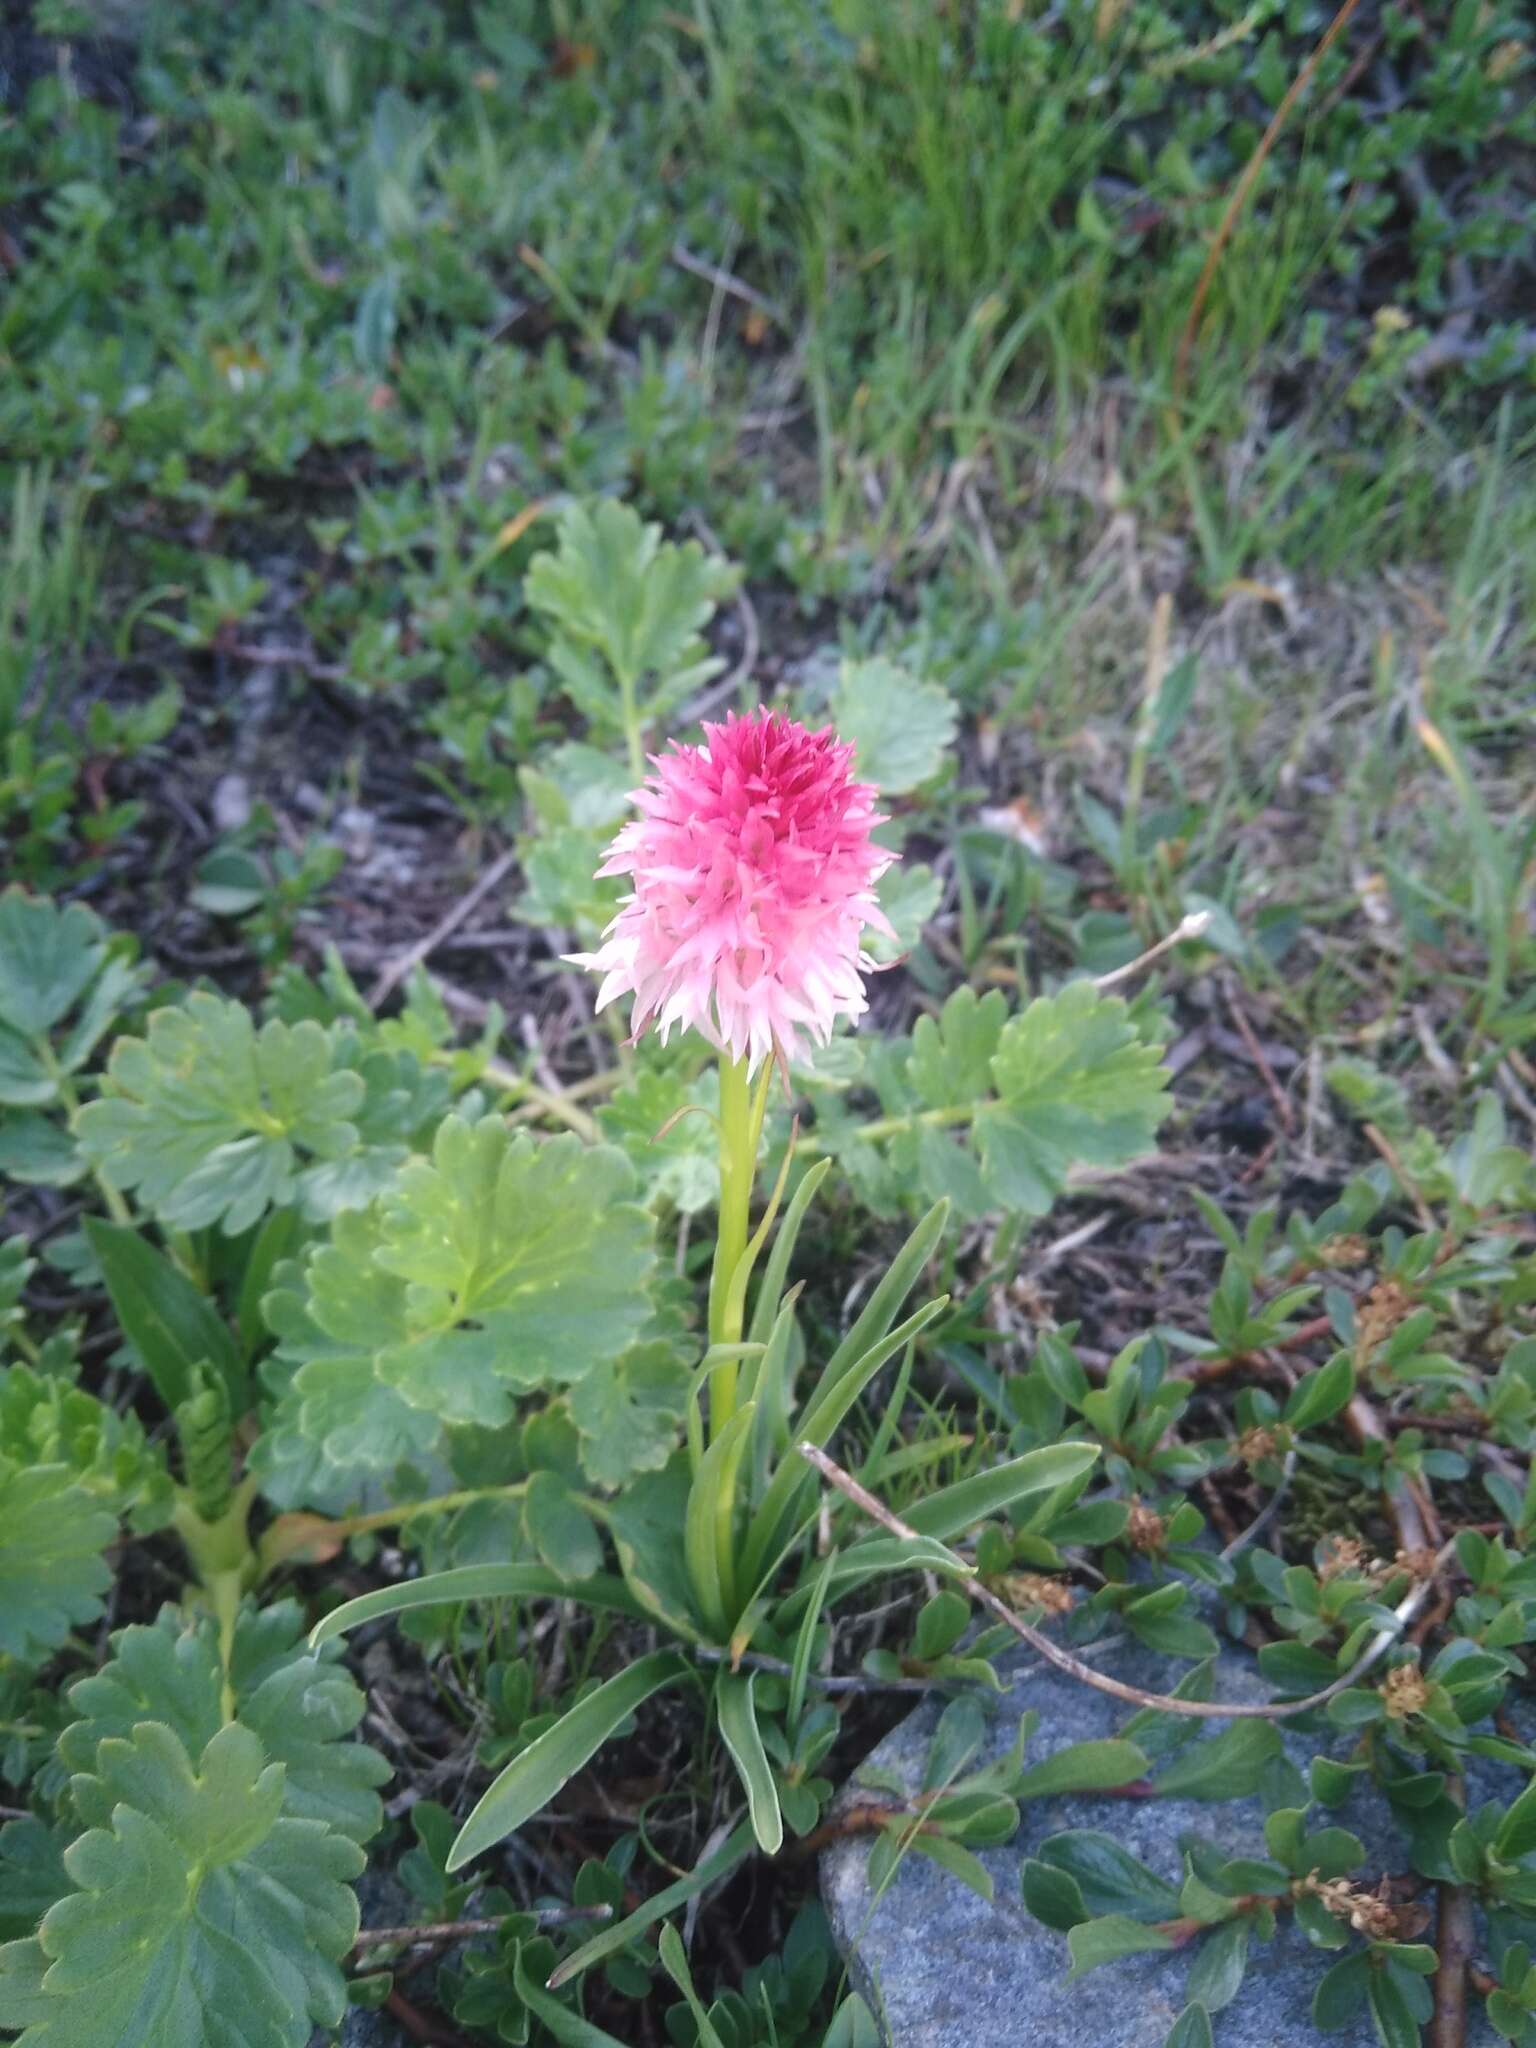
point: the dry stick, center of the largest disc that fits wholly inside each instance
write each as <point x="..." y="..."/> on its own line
<point x="441" y="1933"/>
<point x="1210" y="1369"/>
<point x="728" y="282"/>
<point x="1412" y="1516"/>
<point x="1245" y="185"/>
<point x="1190" y="927"/>
<point x="1203" y="1710"/>
<point x="1404" y="1178"/>
<point x="1455" y="1944"/>
<point x="1277" y="1094"/>
<point x="755" y="1661"/>
<point x="398" y="968"/>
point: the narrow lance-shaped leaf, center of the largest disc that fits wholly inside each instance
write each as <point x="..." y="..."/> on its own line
<point x="476" y="1582"/>
<point x="532" y="1779"/>
<point x="956" y="1508"/>
<point x="743" y="1738"/>
<point x="171" y="1324"/>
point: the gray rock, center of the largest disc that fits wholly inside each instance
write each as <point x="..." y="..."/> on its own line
<point x="941" y="1968"/>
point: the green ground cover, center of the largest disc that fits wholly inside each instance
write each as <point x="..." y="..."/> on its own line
<point x="410" y="414"/>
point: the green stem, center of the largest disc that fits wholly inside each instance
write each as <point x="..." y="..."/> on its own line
<point x="224" y="1592"/>
<point x="741" y="1125"/>
<point x="288" y="1536"/>
<point x="219" y="1548"/>
<point x="517" y="1089"/>
<point x="18" y="1336"/>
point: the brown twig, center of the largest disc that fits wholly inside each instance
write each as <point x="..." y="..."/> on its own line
<point x="1193" y="926"/>
<point x="1074" y="1667"/>
<point x="440" y="1934"/>
<point x="1295" y="1340"/>
<point x="398" y="968"/>
<point x="867" y="1818"/>
<point x="1455" y="1942"/>
<point x="1277" y="1094"/>
<point x="1245" y="185"/>
<point x="1405" y="1180"/>
<point x="754" y="1660"/>
<point x="728" y="282"/>
<point x="1411" y="1514"/>
<point x="283" y="657"/>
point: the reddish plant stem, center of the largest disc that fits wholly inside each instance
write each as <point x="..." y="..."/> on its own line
<point x="1294" y="1340"/>
<point x="1455" y="1941"/>
<point x="1245" y="185"/>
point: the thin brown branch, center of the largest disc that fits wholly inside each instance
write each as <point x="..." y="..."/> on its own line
<point x="728" y="282"/>
<point x="1295" y="1340"/>
<point x="398" y="968"/>
<point x="1074" y="1667"/>
<point x="1256" y="1053"/>
<point x="1411" y="1514"/>
<point x="443" y="1933"/>
<point x="1455" y="1943"/>
<point x="755" y="1660"/>
<point x="420" y="2026"/>
<point x="1403" y="1177"/>
<point x="1191" y="927"/>
<point x="1245" y="185"/>
<point x="865" y="1819"/>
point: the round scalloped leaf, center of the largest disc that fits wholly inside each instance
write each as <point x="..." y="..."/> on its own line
<point x="494" y="1268"/>
<point x="202" y="1916"/>
<point x="213" y="1120"/>
<point x="301" y="1704"/>
<point x="52" y="1571"/>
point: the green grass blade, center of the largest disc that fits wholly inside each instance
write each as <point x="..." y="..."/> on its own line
<point x="805" y="1641"/>
<point x="674" y="1961"/>
<point x="532" y="1780"/>
<point x="792" y="1475"/>
<point x="775" y="1273"/>
<point x="884" y="1305"/>
<point x="735" y="1849"/>
<point x="565" y="2027"/>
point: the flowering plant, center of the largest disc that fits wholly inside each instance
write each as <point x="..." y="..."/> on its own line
<point x="753" y="866"/>
<point x="753" y="862"/>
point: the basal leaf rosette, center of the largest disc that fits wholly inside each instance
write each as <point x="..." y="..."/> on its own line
<point x="496" y="1267"/>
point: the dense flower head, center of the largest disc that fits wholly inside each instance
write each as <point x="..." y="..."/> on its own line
<point x="754" y="876"/>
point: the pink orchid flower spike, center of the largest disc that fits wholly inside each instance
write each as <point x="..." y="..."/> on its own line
<point x="754" y="880"/>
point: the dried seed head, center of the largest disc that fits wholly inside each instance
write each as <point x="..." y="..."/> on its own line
<point x="1036" y="1589"/>
<point x="1145" y="1530"/>
<point x="1257" y="1444"/>
<point x="1347" y="1248"/>
<point x="1418" y="1564"/>
<point x="1383" y="1309"/>
<point x="1403" y="1692"/>
<point x="1367" y="1912"/>
<point x="1342" y="1555"/>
